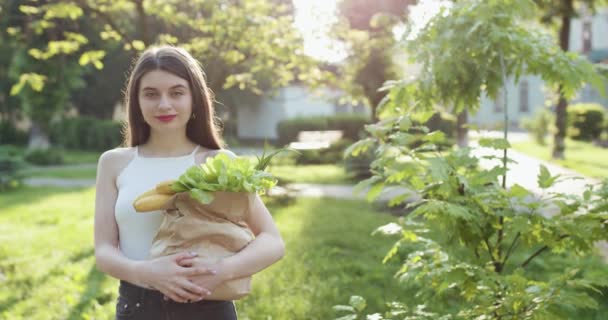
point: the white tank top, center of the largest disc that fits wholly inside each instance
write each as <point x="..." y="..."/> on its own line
<point x="136" y="230"/>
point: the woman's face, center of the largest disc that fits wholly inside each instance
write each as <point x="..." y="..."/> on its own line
<point x="165" y="100"/>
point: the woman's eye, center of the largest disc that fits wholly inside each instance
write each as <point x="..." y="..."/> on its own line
<point x="177" y="94"/>
<point x="149" y="94"/>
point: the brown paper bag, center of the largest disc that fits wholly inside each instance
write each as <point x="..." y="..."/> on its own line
<point x="215" y="230"/>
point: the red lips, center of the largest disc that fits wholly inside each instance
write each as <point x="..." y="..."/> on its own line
<point x="166" y="118"/>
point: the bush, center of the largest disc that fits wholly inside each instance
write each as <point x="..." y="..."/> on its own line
<point x="359" y="167"/>
<point x="585" y="121"/>
<point x="539" y="126"/>
<point x="86" y="133"/>
<point x="9" y="134"/>
<point x="350" y="125"/>
<point x="11" y="162"/>
<point x="44" y="157"/>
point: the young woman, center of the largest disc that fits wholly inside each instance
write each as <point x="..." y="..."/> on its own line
<point x="170" y="128"/>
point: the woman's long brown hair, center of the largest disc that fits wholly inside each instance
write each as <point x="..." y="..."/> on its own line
<point x="202" y="129"/>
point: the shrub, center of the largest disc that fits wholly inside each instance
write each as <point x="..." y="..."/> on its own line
<point x="9" y="134"/>
<point x="350" y="125"/>
<point x="11" y="162"/>
<point x="585" y="121"/>
<point x="44" y="157"/>
<point x="86" y="133"/>
<point x="539" y="126"/>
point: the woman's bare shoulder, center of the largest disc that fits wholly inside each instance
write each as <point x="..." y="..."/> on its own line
<point x="115" y="160"/>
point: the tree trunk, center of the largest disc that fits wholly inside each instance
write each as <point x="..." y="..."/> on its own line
<point x="143" y="23"/>
<point x="39" y="139"/>
<point x="462" y="132"/>
<point x="562" y="105"/>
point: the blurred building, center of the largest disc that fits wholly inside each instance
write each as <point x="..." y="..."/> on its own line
<point x="259" y="121"/>
<point x="587" y="37"/>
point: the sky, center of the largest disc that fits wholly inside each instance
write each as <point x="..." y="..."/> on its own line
<point x="313" y="18"/>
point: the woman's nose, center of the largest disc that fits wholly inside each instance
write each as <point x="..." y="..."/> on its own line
<point x="164" y="102"/>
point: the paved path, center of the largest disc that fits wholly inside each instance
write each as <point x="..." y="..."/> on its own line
<point x="525" y="169"/>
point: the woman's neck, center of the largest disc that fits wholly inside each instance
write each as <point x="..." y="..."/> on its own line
<point x="168" y="144"/>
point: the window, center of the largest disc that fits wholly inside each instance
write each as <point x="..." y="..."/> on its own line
<point x="587" y="34"/>
<point x="524" y="96"/>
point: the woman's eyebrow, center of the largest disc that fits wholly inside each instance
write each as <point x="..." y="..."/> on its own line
<point x="177" y="86"/>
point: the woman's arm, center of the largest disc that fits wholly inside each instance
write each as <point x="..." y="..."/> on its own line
<point x="108" y="257"/>
<point x="164" y="273"/>
<point x="266" y="249"/>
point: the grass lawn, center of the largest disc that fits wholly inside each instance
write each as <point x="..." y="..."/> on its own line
<point x="321" y="173"/>
<point x="74" y="156"/>
<point x="77" y="156"/>
<point x="47" y="260"/>
<point x="61" y="173"/>
<point x="582" y="157"/>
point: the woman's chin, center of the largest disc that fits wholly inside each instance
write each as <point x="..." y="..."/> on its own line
<point x="168" y="126"/>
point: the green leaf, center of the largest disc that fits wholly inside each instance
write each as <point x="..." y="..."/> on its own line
<point x="359" y="147"/>
<point x="494" y="143"/>
<point x="374" y="192"/>
<point x="201" y="196"/>
<point x="344" y="308"/>
<point x="358" y="303"/>
<point x="405" y="124"/>
<point x="138" y="45"/>
<point x="29" y="10"/>
<point x="389" y="229"/>
<point x="545" y="180"/>
<point x="517" y="191"/>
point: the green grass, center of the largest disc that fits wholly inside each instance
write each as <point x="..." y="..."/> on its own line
<point x="47" y="260"/>
<point x="322" y="174"/>
<point x="77" y="156"/>
<point x="60" y="173"/>
<point x="582" y="157"/>
<point x="74" y="156"/>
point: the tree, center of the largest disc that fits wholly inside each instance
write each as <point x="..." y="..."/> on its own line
<point x="560" y="13"/>
<point x="43" y="63"/>
<point x="474" y="239"/>
<point x="251" y="45"/>
<point x="367" y="29"/>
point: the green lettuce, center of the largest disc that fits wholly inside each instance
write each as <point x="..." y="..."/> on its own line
<point x="224" y="173"/>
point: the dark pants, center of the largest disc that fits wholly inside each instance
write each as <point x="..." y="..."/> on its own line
<point x="137" y="303"/>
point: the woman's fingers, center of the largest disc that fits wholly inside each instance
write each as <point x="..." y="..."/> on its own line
<point x="196" y="289"/>
<point x="197" y="271"/>
<point x="186" y="295"/>
<point x="178" y="257"/>
<point x="186" y="262"/>
<point x="173" y="295"/>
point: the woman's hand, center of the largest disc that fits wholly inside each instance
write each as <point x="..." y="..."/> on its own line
<point x="208" y="281"/>
<point x="166" y="275"/>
